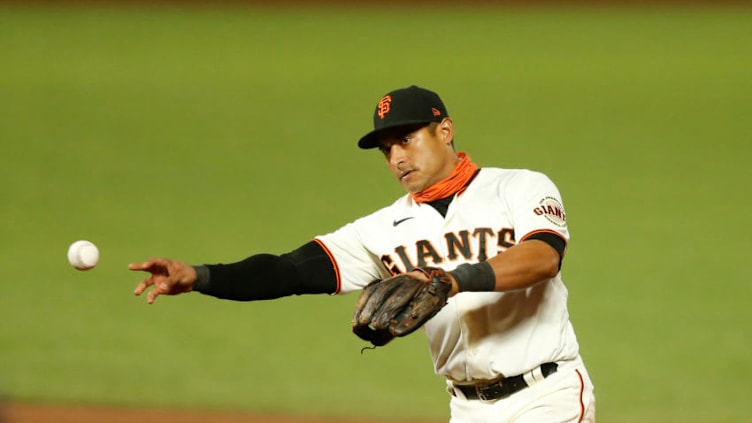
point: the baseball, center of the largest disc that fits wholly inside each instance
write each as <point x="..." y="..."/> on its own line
<point x="83" y="255"/>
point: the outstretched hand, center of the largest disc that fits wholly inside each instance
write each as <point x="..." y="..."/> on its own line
<point x="169" y="277"/>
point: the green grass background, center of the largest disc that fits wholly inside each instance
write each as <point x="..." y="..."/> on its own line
<point x="209" y="134"/>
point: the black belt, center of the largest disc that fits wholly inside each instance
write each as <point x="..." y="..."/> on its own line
<point x="504" y="387"/>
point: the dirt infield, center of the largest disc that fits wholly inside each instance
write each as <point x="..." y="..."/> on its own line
<point x="34" y="413"/>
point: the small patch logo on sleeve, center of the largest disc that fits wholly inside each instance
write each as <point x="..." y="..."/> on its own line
<point x="551" y="209"/>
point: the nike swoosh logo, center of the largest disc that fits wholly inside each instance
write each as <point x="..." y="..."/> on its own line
<point x="397" y="222"/>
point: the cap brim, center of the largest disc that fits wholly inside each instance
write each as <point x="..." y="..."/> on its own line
<point x="371" y="139"/>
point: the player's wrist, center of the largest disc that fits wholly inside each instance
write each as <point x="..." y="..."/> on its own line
<point x="477" y="277"/>
<point x="202" y="278"/>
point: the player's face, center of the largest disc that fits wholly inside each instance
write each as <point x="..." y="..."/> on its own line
<point x="419" y="156"/>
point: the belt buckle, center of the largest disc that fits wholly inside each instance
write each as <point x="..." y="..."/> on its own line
<point x="489" y="392"/>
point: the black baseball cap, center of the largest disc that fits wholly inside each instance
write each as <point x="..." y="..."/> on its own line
<point x="401" y="107"/>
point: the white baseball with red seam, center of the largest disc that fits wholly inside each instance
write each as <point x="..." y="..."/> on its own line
<point x="83" y="255"/>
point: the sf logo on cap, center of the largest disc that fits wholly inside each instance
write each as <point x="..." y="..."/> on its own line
<point x="384" y="106"/>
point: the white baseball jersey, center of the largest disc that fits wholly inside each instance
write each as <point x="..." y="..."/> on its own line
<point x="477" y="335"/>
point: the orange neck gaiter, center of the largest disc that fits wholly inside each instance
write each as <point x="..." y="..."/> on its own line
<point x="452" y="184"/>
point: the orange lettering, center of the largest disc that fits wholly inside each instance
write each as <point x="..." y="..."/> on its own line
<point x="384" y="106"/>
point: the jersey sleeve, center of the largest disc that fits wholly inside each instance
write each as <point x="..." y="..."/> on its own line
<point x="535" y="206"/>
<point x="355" y="265"/>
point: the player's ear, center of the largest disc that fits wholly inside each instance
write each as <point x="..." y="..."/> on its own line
<point x="445" y="130"/>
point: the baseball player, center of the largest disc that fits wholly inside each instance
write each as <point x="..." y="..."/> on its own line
<point x="503" y="339"/>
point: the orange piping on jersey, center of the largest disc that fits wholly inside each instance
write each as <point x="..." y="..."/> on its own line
<point x="582" y="391"/>
<point x="334" y="265"/>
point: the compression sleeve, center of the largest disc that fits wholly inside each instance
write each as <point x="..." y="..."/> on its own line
<point x="553" y="239"/>
<point x="306" y="270"/>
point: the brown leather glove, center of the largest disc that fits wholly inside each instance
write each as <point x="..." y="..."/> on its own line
<point x="399" y="305"/>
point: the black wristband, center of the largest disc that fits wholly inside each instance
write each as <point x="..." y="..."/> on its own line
<point x="202" y="278"/>
<point x="478" y="277"/>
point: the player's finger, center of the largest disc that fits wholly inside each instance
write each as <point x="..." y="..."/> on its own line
<point x="141" y="287"/>
<point x="153" y="294"/>
<point x="149" y="265"/>
<point x="146" y="265"/>
<point x="136" y="266"/>
<point x="420" y="274"/>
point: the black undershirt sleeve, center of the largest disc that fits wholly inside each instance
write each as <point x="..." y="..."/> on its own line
<point x="306" y="270"/>
<point x="557" y="242"/>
